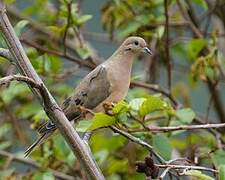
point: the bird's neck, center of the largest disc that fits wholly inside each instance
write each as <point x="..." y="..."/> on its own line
<point x="123" y="61"/>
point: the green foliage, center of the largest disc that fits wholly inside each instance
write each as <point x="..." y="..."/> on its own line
<point x="162" y="146"/>
<point x="45" y="175"/>
<point x="221" y="172"/>
<point x="151" y="104"/>
<point x="198" y="59"/>
<point x="198" y="174"/>
<point x="218" y="157"/>
<point x="194" y="47"/>
<point x="20" y="26"/>
<point x="102" y="120"/>
<point x="185" y="115"/>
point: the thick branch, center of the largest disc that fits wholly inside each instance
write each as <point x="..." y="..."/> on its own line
<point x="52" y="109"/>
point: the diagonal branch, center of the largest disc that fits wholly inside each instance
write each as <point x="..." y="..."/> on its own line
<point x="138" y="141"/>
<point x="52" y="109"/>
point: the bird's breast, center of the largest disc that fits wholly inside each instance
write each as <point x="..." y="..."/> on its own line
<point x="120" y="82"/>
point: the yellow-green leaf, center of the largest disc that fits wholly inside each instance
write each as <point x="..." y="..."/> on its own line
<point x="151" y="104"/>
<point x="102" y="120"/>
<point x="185" y="115"/>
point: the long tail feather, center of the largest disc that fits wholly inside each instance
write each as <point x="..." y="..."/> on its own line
<point x="39" y="141"/>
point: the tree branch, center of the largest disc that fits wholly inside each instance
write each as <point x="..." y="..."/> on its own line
<point x="178" y="128"/>
<point x="169" y="65"/>
<point x="52" y="109"/>
<point x="174" y="166"/>
<point x="137" y="141"/>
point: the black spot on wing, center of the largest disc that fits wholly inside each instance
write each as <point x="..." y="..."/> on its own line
<point x="66" y="103"/>
<point x="77" y="101"/>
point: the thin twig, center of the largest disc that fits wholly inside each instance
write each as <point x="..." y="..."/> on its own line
<point x="60" y="54"/>
<point x="178" y="128"/>
<point x="174" y="166"/>
<point x="8" y="79"/>
<point x="169" y="65"/>
<point x="69" y="4"/>
<point x="164" y="173"/>
<point x="138" y="141"/>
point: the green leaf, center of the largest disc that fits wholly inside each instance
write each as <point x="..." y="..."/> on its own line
<point x="201" y="3"/>
<point x="117" y="165"/>
<point x="40" y="115"/>
<point x="128" y="29"/>
<point x="222" y="172"/>
<point x="45" y="176"/>
<point x="15" y="89"/>
<point x="162" y="146"/>
<point x="20" y="26"/>
<point x="151" y="104"/>
<point x="198" y="174"/>
<point x="136" y="103"/>
<point x="194" y="47"/>
<point x="120" y="107"/>
<point x="55" y="63"/>
<point x="5" y="128"/>
<point x="28" y="110"/>
<point x="83" y="53"/>
<point x="5" y="144"/>
<point x="83" y="125"/>
<point x="83" y="19"/>
<point x="218" y="158"/>
<point x="102" y="120"/>
<point x="185" y="115"/>
<point x="5" y="174"/>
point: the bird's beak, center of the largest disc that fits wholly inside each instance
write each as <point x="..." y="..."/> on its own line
<point x="147" y="50"/>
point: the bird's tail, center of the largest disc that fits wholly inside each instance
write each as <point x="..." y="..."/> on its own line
<point x="39" y="141"/>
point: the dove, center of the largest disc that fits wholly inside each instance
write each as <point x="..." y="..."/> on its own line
<point x="108" y="83"/>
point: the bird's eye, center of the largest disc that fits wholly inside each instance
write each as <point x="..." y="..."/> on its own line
<point x="136" y="43"/>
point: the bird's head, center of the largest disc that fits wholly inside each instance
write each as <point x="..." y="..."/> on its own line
<point x="135" y="45"/>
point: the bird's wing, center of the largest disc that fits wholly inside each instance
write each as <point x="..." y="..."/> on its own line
<point x="91" y="91"/>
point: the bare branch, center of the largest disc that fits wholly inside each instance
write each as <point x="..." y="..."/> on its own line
<point x="137" y="141"/>
<point x="52" y="109"/>
<point x="178" y="128"/>
<point x="29" y="81"/>
<point x="169" y="65"/>
<point x="174" y="166"/>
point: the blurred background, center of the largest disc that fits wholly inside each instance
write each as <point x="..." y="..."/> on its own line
<point x="65" y="39"/>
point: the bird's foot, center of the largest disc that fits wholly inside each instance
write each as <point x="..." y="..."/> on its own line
<point x="85" y="111"/>
<point x="108" y="106"/>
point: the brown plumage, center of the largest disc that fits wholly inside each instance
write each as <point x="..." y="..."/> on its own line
<point x="108" y="82"/>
